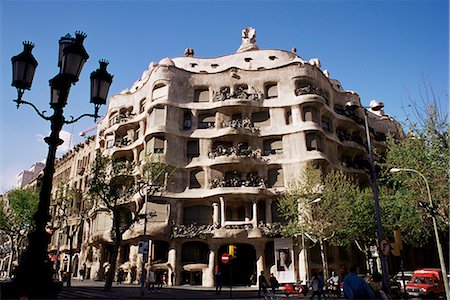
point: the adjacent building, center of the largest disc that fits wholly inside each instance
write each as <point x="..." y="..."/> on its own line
<point x="239" y="128"/>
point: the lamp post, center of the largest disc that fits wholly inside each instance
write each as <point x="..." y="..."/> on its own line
<point x="436" y="233"/>
<point x="34" y="273"/>
<point x="375" y="106"/>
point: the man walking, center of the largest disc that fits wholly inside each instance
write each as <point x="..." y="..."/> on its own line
<point x="262" y="284"/>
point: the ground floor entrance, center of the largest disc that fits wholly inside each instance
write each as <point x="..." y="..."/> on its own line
<point x="242" y="268"/>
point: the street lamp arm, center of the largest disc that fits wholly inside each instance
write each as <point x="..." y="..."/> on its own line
<point x="73" y="120"/>
<point x="41" y="114"/>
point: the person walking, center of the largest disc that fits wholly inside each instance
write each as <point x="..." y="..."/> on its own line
<point x="273" y="283"/>
<point x="315" y="286"/>
<point x="218" y="276"/>
<point x="357" y="288"/>
<point x="262" y="284"/>
<point x="151" y="281"/>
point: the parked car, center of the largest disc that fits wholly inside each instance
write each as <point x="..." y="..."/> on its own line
<point x="426" y="283"/>
<point x="407" y="276"/>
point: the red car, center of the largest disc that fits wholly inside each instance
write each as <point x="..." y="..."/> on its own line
<point x="426" y="283"/>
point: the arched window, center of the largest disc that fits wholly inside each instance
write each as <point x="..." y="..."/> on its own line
<point x="261" y="119"/>
<point x="271" y="91"/>
<point x="309" y="114"/>
<point x="275" y="177"/>
<point x="187" y="120"/>
<point x="313" y="142"/>
<point x="201" y="95"/>
<point x="197" y="179"/>
<point x="206" y="121"/>
<point x="160" y="91"/>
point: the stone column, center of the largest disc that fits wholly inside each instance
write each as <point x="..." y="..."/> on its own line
<point x="222" y="212"/>
<point x="255" y="214"/>
<point x="208" y="273"/>
<point x="268" y="211"/>
<point x="215" y="216"/>
<point x="142" y="128"/>
<point x="179" y="219"/>
<point x="172" y="260"/>
<point x="260" y="262"/>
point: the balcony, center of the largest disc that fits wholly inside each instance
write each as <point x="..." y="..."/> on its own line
<point x="193" y="231"/>
<point x="245" y="123"/>
<point x="235" y="180"/>
<point x="241" y="150"/>
<point x="239" y="93"/>
<point x="309" y="89"/>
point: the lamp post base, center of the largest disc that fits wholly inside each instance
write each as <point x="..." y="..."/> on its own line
<point x="33" y="278"/>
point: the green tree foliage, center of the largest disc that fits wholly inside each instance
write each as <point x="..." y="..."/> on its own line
<point x="319" y="207"/>
<point x="16" y="216"/>
<point x="114" y="183"/>
<point x="424" y="148"/>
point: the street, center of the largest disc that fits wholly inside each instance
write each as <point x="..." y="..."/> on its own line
<point x="89" y="289"/>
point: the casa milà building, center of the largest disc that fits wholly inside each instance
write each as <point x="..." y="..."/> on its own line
<point x="238" y="128"/>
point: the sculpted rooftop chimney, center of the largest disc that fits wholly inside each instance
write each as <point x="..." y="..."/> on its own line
<point x="248" y="40"/>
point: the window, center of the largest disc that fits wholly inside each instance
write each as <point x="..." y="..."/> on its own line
<point x="187" y="120"/>
<point x="271" y="91"/>
<point x="159" y="91"/>
<point x="194" y="252"/>
<point x="273" y="146"/>
<point x="275" y="178"/>
<point x="198" y="214"/>
<point x="196" y="179"/>
<point x="326" y="124"/>
<point x="201" y="95"/>
<point x="261" y="119"/>
<point x="192" y="149"/>
<point x="313" y="142"/>
<point x="288" y="116"/>
<point x="309" y="114"/>
<point x="142" y="105"/>
<point x="155" y="145"/>
<point x="159" y="115"/>
<point x="206" y="121"/>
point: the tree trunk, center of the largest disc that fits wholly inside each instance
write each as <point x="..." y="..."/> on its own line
<point x="11" y="256"/>
<point x="323" y="254"/>
<point x="112" y="269"/>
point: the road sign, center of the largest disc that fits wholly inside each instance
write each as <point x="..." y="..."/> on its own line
<point x="225" y="258"/>
<point x="143" y="247"/>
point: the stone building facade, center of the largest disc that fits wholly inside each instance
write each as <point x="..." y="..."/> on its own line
<point x="238" y="128"/>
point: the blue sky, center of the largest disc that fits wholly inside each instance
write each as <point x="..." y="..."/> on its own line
<point x="379" y="49"/>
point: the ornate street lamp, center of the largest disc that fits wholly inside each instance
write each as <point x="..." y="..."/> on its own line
<point x="436" y="232"/>
<point x="34" y="275"/>
<point x="374" y="106"/>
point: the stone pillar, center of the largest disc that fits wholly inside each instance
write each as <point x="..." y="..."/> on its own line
<point x="142" y="128"/>
<point x="208" y="273"/>
<point x="268" y="211"/>
<point x="222" y="212"/>
<point x="260" y="262"/>
<point x="179" y="219"/>
<point x="172" y="261"/>
<point x="215" y="217"/>
<point x="255" y="214"/>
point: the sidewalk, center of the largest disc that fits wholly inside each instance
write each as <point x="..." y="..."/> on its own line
<point x="89" y="289"/>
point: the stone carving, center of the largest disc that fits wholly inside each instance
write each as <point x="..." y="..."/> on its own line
<point x="315" y="62"/>
<point x="252" y="180"/>
<point x="239" y="93"/>
<point x="241" y="150"/>
<point x="193" y="231"/>
<point x="189" y="52"/>
<point x="270" y="230"/>
<point x="248" y="40"/>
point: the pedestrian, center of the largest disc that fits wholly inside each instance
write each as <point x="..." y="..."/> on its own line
<point x="315" y="286"/>
<point x="218" y="277"/>
<point x="262" y="284"/>
<point x="321" y="285"/>
<point x="357" y="288"/>
<point x="159" y="281"/>
<point x="120" y="274"/>
<point x="82" y="274"/>
<point x="151" y="281"/>
<point x="273" y="283"/>
<point x="376" y="285"/>
<point x="172" y="278"/>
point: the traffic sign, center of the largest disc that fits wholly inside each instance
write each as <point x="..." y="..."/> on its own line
<point x="385" y="247"/>
<point x="225" y="258"/>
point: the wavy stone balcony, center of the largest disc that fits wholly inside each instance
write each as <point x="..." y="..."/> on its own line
<point x="309" y="89"/>
<point x="252" y="180"/>
<point x="241" y="150"/>
<point x="239" y="93"/>
<point x="193" y="231"/>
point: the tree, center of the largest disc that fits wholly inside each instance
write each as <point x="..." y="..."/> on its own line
<point x="424" y="148"/>
<point x="16" y="217"/>
<point x="111" y="187"/>
<point x="319" y="206"/>
<point x="71" y="212"/>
